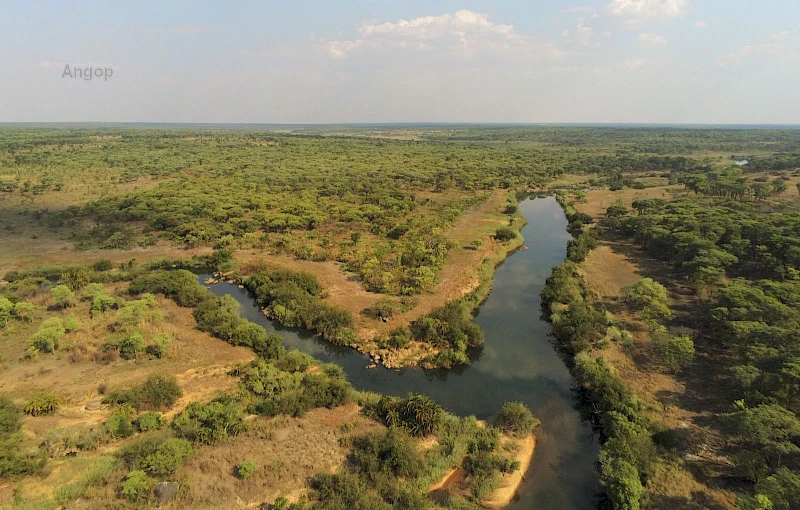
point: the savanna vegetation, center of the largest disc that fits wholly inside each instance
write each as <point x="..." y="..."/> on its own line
<point x="104" y="331"/>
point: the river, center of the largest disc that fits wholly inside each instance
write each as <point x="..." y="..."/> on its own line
<point x="517" y="362"/>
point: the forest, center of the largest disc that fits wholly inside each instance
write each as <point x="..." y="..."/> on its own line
<point x="105" y="229"/>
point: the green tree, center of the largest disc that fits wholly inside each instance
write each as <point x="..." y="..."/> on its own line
<point x="622" y="483"/>
<point x="62" y="296"/>
<point x="515" y="417"/>
<point x="678" y="353"/>
<point x="650" y="298"/>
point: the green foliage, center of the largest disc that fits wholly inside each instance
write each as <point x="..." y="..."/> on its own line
<point x="43" y="403"/>
<point x="294" y="300"/>
<point x="10" y="419"/>
<point x="136" y="486"/>
<point x="157" y="392"/>
<point x="102" y="265"/>
<point x="578" y="320"/>
<point x="245" y="469"/>
<point x="136" y="450"/>
<point x="5" y="311"/>
<point x="149" y="421"/>
<point x="159" y="345"/>
<point x="49" y="335"/>
<point x="622" y="484"/>
<point x="450" y="329"/>
<point x="75" y="277"/>
<point x="345" y="492"/>
<point x="391" y="453"/>
<point x="766" y="434"/>
<point x="416" y="413"/>
<point x="678" y="353"/>
<point x="168" y="457"/>
<point x="505" y="234"/>
<point x="516" y="418"/>
<point x="62" y="296"/>
<point x="119" y="426"/>
<point x="23" y="311"/>
<point x="209" y="423"/>
<point x="650" y="298"/>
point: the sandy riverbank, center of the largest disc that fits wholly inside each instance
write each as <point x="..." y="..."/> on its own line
<point x="503" y="495"/>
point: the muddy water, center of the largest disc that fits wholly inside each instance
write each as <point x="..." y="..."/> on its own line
<point x="517" y="362"/>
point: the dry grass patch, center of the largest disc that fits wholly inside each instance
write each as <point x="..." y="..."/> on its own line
<point x="286" y="451"/>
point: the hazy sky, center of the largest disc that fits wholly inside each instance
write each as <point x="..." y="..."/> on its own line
<point x="686" y="61"/>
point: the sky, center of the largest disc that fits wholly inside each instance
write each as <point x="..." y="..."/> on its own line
<point x="358" y="61"/>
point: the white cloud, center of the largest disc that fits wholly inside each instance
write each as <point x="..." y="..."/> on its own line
<point x="582" y="34"/>
<point x="778" y="44"/>
<point x="634" y="63"/>
<point x="655" y="39"/>
<point x="462" y="33"/>
<point x="701" y="24"/>
<point x="635" y="11"/>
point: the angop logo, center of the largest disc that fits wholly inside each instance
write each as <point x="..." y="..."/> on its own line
<point x="87" y="73"/>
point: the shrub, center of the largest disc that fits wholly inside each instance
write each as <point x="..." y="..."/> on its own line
<point x="134" y="452"/>
<point x="136" y="486"/>
<point x="390" y="453"/>
<point x="149" y="421"/>
<point x="43" y="403"/>
<point x="49" y="336"/>
<point x="72" y="324"/>
<point x="385" y="307"/>
<point x="159" y="345"/>
<point x="5" y="311"/>
<point x="168" y="457"/>
<point x="504" y="234"/>
<point x="245" y="469"/>
<point x="416" y="413"/>
<point x="515" y="417"/>
<point x="156" y="392"/>
<point x="62" y="296"/>
<point x="119" y="426"/>
<point x="103" y="265"/>
<point x="679" y="353"/>
<point x="10" y="420"/>
<point x="23" y="311"/>
<point x="209" y="423"/>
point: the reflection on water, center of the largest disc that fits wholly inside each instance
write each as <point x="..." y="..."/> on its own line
<point x="517" y="362"/>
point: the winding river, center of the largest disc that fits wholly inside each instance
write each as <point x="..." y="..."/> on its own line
<point x="517" y="362"/>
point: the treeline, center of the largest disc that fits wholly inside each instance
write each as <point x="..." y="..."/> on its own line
<point x="731" y="183"/>
<point x="579" y="322"/>
<point x="708" y="239"/>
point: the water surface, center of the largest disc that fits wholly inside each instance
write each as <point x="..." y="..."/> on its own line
<point x="517" y="362"/>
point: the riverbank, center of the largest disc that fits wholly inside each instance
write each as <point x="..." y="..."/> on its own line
<point x="504" y="495"/>
<point x="510" y="484"/>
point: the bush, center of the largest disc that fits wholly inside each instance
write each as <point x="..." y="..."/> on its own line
<point x="149" y="421"/>
<point x="159" y="345"/>
<point x="209" y="423"/>
<point x="134" y="452"/>
<point x="678" y="353"/>
<point x="391" y="453"/>
<point x="10" y="420"/>
<point x="5" y="311"/>
<point x="416" y="413"/>
<point x="504" y="234"/>
<point x="245" y="469"/>
<point x="516" y="418"/>
<point x="103" y="265"/>
<point x="119" y="426"/>
<point x="155" y="393"/>
<point x="136" y="486"/>
<point x="62" y="296"/>
<point x="168" y="457"/>
<point x="43" y="403"/>
<point x="49" y="336"/>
